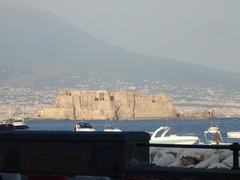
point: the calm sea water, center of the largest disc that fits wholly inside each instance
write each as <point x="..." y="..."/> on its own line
<point x="179" y="126"/>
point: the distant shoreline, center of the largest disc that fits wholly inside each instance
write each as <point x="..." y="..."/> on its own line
<point x="152" y="119"/>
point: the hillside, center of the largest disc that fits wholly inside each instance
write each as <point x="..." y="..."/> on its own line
<point x="46" y="49"/>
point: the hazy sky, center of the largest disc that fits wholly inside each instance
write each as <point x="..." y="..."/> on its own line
<point x="198" y="31"/>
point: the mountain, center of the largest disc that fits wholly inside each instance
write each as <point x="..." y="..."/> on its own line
<point x="47" y="49"/>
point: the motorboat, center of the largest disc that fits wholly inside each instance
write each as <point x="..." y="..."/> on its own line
<point x="213" y="136"/>
<point x="83" y="127"/>
<point x="18" y="123"/>
<point x="112" y="129"/>
<point x="233" y="134"/>
<point x="160" y="136"/>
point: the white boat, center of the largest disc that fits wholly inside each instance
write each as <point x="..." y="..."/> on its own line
<point x="233" y="134"/>
<point x="159" y="137"/>
<point x="111" y="129"/>
<point x="213" y="136"/>
<point x="83" y="127"/>
<point x="18" y="123"/>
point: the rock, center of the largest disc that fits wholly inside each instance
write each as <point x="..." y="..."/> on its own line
<point x="174" y="151"/>
<point x="198" y="158"/>
<point x="224" y="154"/>
<point x="155" y="154"/>
<point x="218" y="166"/>
<point x="208" y="162"/>
<point x="190" y="153"/>
<point x="166" y="160"/>
<point x="191" y="157"/>
<point x="176" y="163"/>
<point x="228" y="161"/>
<point x="208" y="153"/>
<point x="203" y="164"/>
<point x="155" y="160"/>
<point x="189" y="160"/>
<point x="156" y="151"/>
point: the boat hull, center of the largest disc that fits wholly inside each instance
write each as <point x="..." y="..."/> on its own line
<point x="167" y="140"/>
<point x="234" y="135"/>
<point x="85" y="130"/>
<point x="21" y="127"/>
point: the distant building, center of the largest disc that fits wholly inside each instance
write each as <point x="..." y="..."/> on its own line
<point x="96" y="104"/>
<point x="201" y="114"/>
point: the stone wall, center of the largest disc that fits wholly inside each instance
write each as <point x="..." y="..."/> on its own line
<point x="109" y="105"/>
<point x="198" y="114"/>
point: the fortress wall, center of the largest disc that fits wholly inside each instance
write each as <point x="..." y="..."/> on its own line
<point x="154" y="106"/>
<point x="64" y="100"/>
<point x="57" y="113"/>
<point x="93" y="105"/>
<point x="110" y="105"/>
<point x="125" y="102"/>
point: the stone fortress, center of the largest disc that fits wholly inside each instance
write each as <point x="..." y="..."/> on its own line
<point x="103" y="105"/>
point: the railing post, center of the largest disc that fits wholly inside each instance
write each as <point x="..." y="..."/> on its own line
<point x="235" y="149"/>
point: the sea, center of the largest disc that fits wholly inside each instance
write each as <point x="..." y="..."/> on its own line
<point x="178" y="126"/>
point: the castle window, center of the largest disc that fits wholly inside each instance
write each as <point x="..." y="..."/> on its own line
<point x="96" y="99"/>
<point x="112" y="98"/>
<point x="101" y="96"/>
